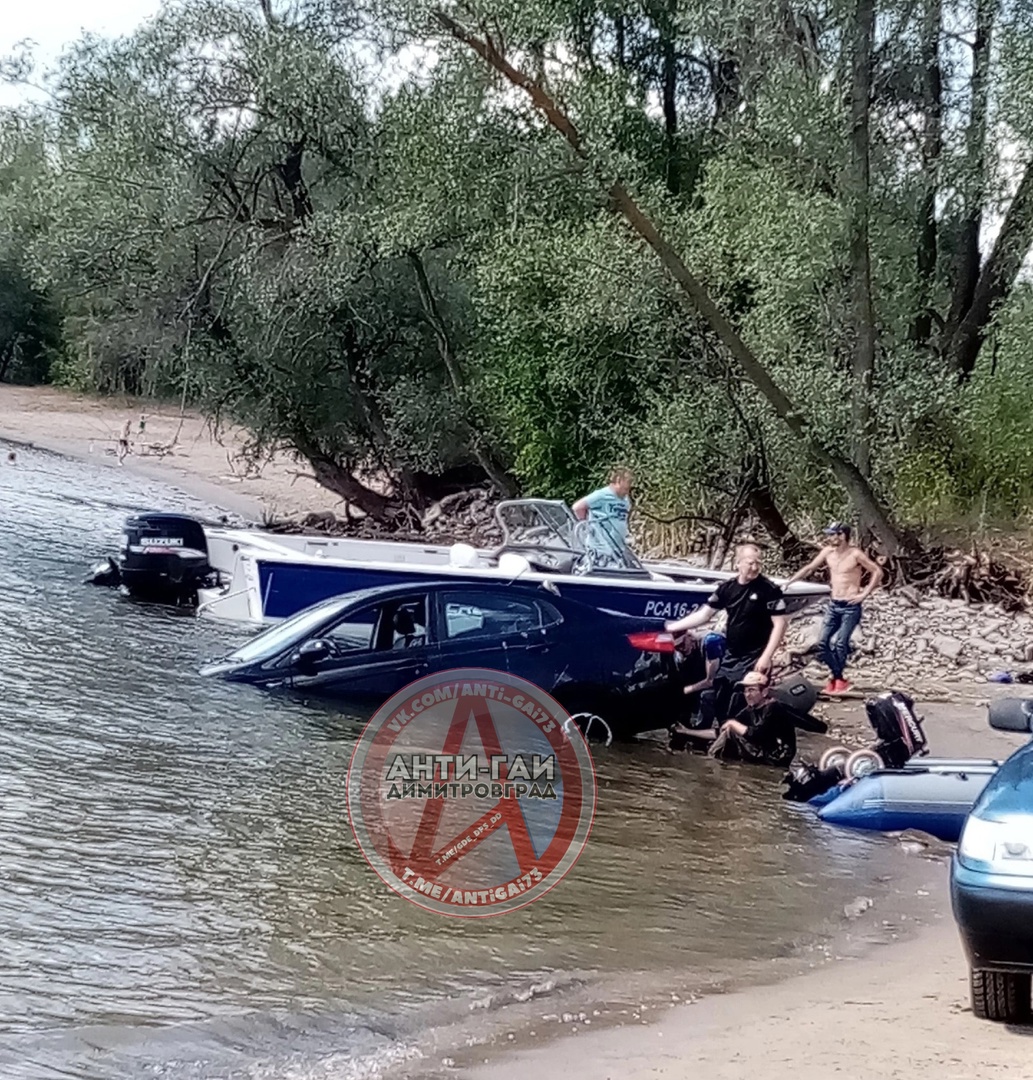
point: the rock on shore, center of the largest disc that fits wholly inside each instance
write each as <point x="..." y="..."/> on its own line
<point x="909" y="639"/>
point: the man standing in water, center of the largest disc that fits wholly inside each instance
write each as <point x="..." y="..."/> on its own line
<point x="756" y="627"/>
<point x="765" y="731"/>
<point x="609" y="507"/>
<point x="846" y="563"/>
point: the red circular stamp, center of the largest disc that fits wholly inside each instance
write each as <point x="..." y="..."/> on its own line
<point x="471" y="792"/>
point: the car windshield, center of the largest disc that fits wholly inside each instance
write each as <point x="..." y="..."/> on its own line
<point x="283" y="634"/>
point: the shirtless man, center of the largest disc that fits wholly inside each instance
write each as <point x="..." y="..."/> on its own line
<point x="846" y="563"/>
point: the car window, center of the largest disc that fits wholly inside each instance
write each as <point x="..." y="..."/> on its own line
<point x="355" y="631"/>
<point x="550" y="616"/>
<point x="479" y="615"/>
<point x="406" y="623"/>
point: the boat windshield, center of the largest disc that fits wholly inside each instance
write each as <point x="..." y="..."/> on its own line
<point x="550" y="525"/>
<point x="283" y="634"/>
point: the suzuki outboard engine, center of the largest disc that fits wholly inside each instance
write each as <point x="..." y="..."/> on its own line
<point x="164" y="558"/>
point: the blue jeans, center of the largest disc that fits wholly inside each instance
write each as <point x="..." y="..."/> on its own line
<point x="841" y="621"/>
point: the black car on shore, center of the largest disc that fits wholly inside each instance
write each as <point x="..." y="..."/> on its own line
<point x="367" y="645"/>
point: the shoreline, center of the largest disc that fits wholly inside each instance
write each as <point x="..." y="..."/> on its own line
<point x="177" y="449"/>
<point x="800" y="1026"/>
<point x="885" y="995"/>
<point x="899" y="1012"/>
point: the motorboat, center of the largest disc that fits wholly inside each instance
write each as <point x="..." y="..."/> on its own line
<point x="255" y="576"/>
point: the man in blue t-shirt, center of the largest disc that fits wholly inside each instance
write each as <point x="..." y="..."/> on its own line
<point x="609" y="507"/>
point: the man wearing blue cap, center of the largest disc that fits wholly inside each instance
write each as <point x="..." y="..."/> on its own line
<point x="847" y="564"/>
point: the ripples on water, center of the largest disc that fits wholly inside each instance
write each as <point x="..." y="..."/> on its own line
<point x="179" y="890"/>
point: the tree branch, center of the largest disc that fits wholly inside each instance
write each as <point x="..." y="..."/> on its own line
<point x="693" y="290"/>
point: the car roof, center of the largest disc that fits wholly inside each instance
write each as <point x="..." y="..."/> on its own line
<point x="385" y="592"/>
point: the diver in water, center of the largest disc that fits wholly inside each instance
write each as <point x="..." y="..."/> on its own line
<point x="764" y="732"/>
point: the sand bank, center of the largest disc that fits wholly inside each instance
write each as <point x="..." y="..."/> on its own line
<point x="176" y="448"/>
<point x="899" y="1013"/>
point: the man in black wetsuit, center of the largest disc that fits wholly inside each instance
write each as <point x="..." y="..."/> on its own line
<point x="756" y="627"/>
<point x="765" y="731"/>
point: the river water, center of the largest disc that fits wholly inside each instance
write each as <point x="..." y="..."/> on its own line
<point x="181" y="895"/>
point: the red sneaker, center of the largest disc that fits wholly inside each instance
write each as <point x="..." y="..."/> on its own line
<point x="842" y="686"/>
<point x="832" y="686"/>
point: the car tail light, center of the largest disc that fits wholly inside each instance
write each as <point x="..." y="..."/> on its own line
<point x="652" y="641"/>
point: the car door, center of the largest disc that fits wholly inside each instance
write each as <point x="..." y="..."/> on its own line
<point x="370" y="652"/>
<point x="492" y="629"/>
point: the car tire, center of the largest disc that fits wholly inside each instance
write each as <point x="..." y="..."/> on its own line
<point x="1000" y="995"/>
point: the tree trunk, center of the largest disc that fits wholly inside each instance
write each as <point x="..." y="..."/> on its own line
<point x="996" y="278"/>
<point x="290" y="172"/>
<point x="504" y="483"/>
<point x="858" y="184"/>
<point x="966" y="273"/>
<point x="338" y="479"/>
<point x="932" y="144"/>
<point x="763" y="505"/>
<point x="726" y="80"/>
<point x="853" y="481"/>
<point x="6" y="356"/>
<point x="669" y="96"/>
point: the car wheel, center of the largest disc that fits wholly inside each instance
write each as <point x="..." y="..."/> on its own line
<point x="1000" y="995"/>
<point x="594" y="728"/>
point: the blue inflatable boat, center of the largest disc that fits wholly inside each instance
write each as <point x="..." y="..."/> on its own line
<point x="933" y="795"/>
<point x="930" y="764"/>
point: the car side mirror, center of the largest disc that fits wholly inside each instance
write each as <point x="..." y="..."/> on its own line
<point x="1011" y="714"/>
<point x="312" y="652"/>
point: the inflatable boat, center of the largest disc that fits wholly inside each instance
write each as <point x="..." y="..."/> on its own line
<point x="933" y="795"/>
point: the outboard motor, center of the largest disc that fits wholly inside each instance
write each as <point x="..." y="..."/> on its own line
<point x="893" y="719"/>
<point x="899" y="730"/>
<point x="164" y="558"/>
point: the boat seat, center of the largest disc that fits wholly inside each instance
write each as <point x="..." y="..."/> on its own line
<point x="559" y="562"/>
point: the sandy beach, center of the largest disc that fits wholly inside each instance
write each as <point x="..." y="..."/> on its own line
<point x="176" y="448"/>
<point x="899" y="1011"/>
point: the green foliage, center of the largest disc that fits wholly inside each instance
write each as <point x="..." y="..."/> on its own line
<point x="30" y="328"/>
<point x="422" y="275"/>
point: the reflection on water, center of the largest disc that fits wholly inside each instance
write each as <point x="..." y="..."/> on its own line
<point x="180" y="892"/>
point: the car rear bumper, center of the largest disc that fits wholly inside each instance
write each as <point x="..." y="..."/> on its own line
<point x="995" y="920"/>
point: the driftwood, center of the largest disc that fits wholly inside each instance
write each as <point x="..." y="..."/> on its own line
<point x="463" y="516"/>
<point x="974" y="576"/>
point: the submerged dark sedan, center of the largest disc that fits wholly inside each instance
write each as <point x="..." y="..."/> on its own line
<point x="368" y="645"/>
